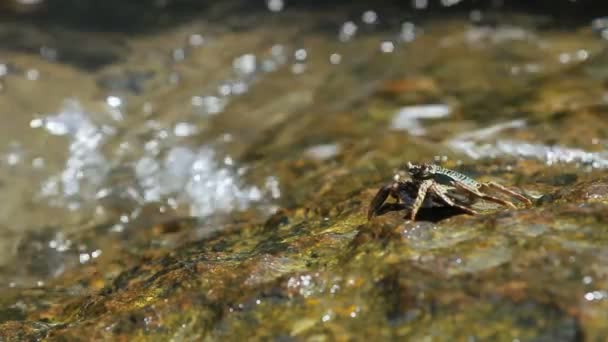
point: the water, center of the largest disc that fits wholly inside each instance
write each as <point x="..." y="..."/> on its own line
<point x="277" y="120"/>
<point x="155" y="127"/>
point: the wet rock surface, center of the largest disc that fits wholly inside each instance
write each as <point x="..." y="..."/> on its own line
<point x="213" y="183"/>
<point x="528" y="274"/>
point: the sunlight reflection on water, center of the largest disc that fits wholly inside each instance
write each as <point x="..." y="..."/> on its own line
<point x="478" y="144"/>
<point x="194" y="176"/>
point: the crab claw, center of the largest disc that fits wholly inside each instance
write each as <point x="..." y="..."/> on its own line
<point x="378" y="200"/>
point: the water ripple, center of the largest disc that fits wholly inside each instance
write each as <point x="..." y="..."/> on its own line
<point x="473" y="145"/>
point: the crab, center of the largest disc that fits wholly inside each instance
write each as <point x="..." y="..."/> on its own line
<point x="434" y="185"/>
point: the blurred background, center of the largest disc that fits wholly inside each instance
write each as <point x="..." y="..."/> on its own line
<point x="131" y="128"/>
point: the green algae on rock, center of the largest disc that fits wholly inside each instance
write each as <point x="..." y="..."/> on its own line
<point x="313" y="276"/>
<point x="303" y="123"/>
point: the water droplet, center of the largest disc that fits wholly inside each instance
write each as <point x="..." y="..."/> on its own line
<point x="596" y="295"/>
<point x="599" y="24"/>
<point x="448" y="3"/>
<point x="587" y="280"/>
<point x="348" y="31"/>
<point x="387" y="47"/>
<point x="300" y="55"/>
<point x="420" y="4"/>
<point x="179" y="54"/>
<point x="335" y="58"/>
<point x="196" y="39"/>
<point x="408" y="32"/>
<point x="184" y="129"/>
<point x="84" y="257"/>
<point x="564" y="58"/>
<point x="114" y="101"/>
<point x="277" y="50"/>
<point x="32" y="74"/>
<point x="245" y="64"/>
<point x="209" y="104"/>
<point x="275" y="5"/>
<point x="239" y="88"/>
<point x="582" y="54"/>
<point x="369" y="17"/>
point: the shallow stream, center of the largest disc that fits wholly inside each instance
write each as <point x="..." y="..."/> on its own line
<point x="209" y="177"/>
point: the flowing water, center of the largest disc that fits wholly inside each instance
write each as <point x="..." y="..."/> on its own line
<point x="208" y="176"/>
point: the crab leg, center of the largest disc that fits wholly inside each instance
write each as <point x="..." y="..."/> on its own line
<point x="440" y="191"/>
<point x="422" y="190"/>
<point x="402" y="194"/>
<point x="378" y="200"/>
<point x="484" y="196"/>
<point x="507" y="191"/>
